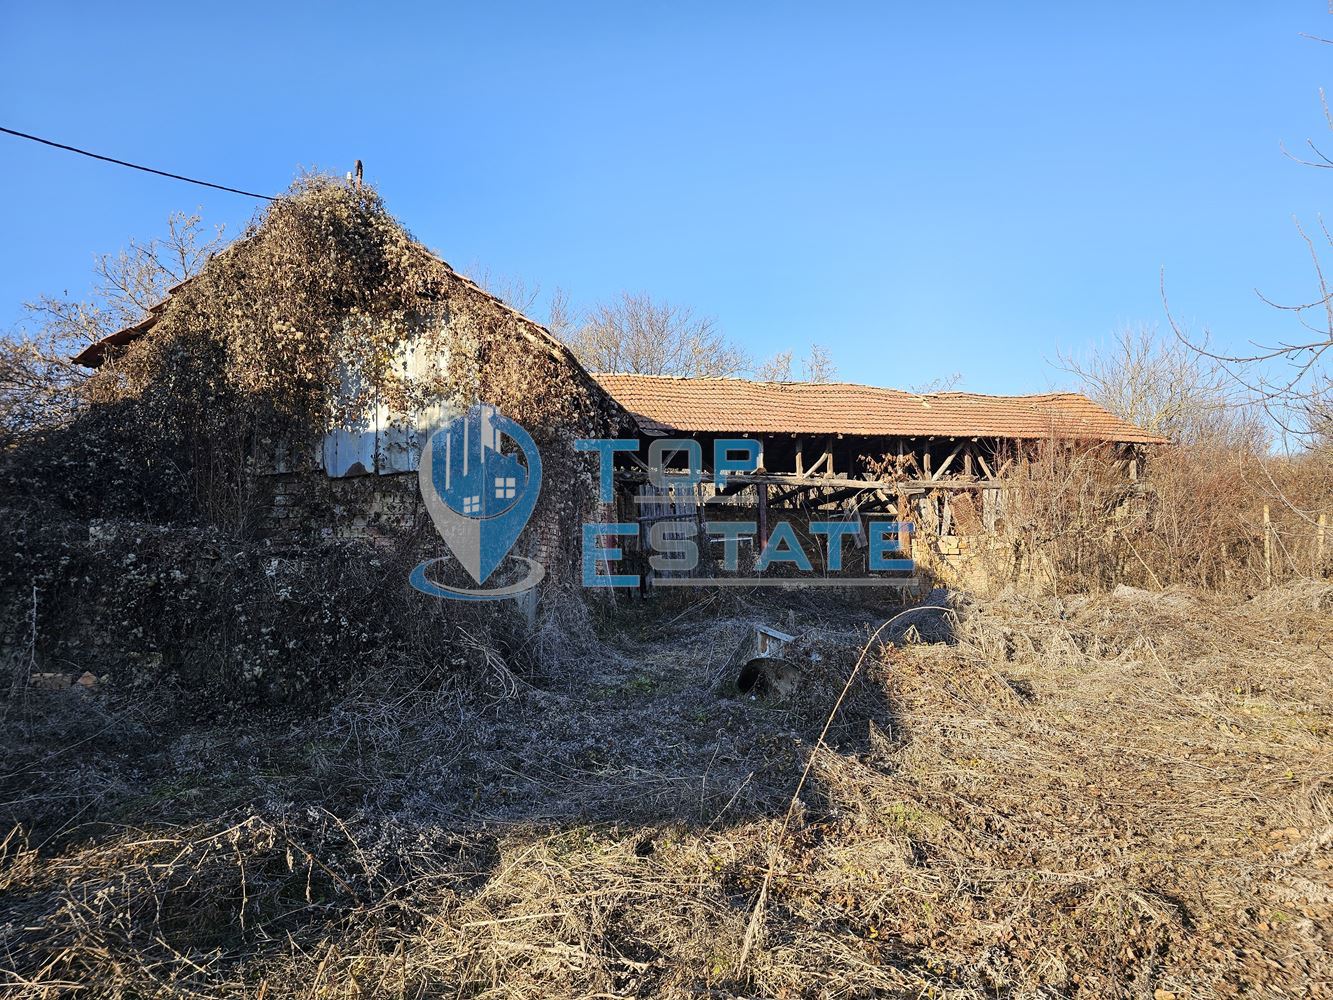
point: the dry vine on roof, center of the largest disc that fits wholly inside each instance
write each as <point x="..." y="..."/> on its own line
<point x="298" y="327"/>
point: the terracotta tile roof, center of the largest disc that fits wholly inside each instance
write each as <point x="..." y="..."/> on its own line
<point x="728" y="405"/>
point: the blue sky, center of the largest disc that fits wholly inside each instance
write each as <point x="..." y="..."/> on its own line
<point x="922" y="188"/>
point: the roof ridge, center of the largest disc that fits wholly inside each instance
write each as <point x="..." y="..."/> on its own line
<point x="944" y="394"/>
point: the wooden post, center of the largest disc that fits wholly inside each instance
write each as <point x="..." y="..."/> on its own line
<point x="763" y="515"/>
<point x="1268" y="548"/>
<point x="800" y="455"/>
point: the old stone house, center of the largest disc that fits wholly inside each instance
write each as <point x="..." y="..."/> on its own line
<point x="358" y="477"/>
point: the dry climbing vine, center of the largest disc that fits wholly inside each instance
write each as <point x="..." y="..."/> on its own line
<point x="302" y="325"/>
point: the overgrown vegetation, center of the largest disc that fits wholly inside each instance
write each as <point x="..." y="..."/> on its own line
<point x="298" y="326"/>
<point x="192" y="621"/>
<point x="1228" y="518"/>
<point x="1098" y="797"/>
<point x="285" y="773"/>
<point x="136" y="540"/>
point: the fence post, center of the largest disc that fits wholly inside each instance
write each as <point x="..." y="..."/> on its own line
<point x="1268" y="548"/>
<point x="1321" y="533"/>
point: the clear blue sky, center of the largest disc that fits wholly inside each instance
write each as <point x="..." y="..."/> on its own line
<point x="961" y="190"/>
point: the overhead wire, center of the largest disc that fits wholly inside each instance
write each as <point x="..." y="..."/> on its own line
<point x="134" y="166"/>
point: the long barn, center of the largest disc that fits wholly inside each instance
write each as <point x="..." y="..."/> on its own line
<point x="835" y="439"/>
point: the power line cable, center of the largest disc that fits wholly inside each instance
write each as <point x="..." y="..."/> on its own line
<point x="135" y="166"/>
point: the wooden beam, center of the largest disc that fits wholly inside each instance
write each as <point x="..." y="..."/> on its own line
<point x="786" y="495"/>
<point x="840" y="494"/>
<point x="737" y="481"/>
<point x="825" y="460"/>
<point x="948" y="460"/>
<point x="763" y="516"/>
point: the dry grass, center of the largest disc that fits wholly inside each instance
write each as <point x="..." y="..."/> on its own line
<point x="1098" y="797"/>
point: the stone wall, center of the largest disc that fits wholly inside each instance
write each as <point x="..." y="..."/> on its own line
<point x="312" y="506"/>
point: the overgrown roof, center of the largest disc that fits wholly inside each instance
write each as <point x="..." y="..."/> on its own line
<point x="318" y="293"/>
<point x="729" y="405"/>
<point x="96" y="353"/>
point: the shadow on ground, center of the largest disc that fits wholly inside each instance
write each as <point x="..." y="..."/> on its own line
<point x="238" y="829"/>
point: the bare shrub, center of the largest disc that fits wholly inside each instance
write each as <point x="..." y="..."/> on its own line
<point x="1063" y="509"/>
<point x="1073" y="520"/>
<point x="1197" y="518"/>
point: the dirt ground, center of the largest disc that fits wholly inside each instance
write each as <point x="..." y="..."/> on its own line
<point x="1122" y="795"/>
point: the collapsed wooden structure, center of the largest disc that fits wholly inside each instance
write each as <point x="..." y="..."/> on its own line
<point x="834" y="446"/>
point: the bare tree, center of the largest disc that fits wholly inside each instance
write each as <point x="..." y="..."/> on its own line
<point x="1291" y="377"/>
<point x="943" y="383"/>
<point x="817" y="366"/>
<point x="560" y="317"/>
<point x="636" y="334"/>
<point x="1162" y="385"/>
<point x="126" y="284"/>
<point x="39" y="384"/>
<point x="775" y="369"/>
<point x="513" y="291"/>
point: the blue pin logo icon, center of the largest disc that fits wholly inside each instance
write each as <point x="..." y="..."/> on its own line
<point x="480" y="496"/>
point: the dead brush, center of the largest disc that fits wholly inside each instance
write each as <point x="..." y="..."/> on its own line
<point x="157" y="911"/>
<point x="1101" y="796"/>
<point x="1132" y="812"/>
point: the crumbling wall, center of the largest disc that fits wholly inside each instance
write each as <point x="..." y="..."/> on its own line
<point x="213" y="623"/>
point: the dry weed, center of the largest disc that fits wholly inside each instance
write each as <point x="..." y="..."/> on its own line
<point x="1094" y="797"/>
